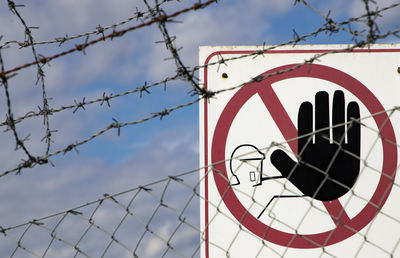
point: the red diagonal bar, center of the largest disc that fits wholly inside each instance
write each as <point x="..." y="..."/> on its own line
<point x="279" y="114"/>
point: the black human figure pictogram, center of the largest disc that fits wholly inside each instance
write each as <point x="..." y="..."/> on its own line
<point x="324" y="170"/>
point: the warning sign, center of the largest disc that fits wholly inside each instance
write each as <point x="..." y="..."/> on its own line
<point x="301" y="157"/>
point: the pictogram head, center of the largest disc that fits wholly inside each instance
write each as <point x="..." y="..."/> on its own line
<point x="246" y="162"/>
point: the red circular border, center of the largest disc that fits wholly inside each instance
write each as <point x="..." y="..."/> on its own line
<point x="341" y="232"/>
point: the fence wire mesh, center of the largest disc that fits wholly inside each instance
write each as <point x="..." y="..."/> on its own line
<point x="159" y="219"/>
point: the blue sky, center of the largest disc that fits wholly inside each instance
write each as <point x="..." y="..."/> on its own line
<point x="144" y="152"/>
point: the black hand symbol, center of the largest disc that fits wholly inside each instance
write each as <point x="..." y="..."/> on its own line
<point x="325" y="171"/>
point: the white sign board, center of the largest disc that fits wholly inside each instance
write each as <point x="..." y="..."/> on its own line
<point x="300" y="160"/>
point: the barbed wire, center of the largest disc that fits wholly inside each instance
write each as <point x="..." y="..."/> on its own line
<point x="105" y="98"/>
<point x="31" y="161"/>
<point x="157" y="15"/>
<point x="40" y="78"/>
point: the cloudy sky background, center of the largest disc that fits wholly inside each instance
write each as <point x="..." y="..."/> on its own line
<point x="142" y="153"/>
